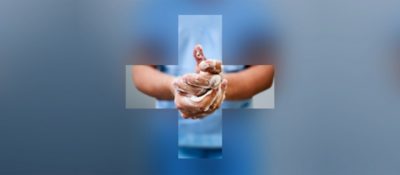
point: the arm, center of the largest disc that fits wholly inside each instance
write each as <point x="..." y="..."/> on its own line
<point x="152" y="82"/>
<point x="247" y="83"/>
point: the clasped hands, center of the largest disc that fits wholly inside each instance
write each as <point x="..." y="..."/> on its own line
<point x="199" y="94"/>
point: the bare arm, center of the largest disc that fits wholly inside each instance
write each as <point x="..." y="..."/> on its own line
<point x="247" y="83"/>
<point x="152" y="82"/>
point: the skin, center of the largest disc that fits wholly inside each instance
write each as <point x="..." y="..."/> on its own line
<point x="207" y="86"/>
<point x="240" y="86"/>
<point x="143" y="77"/>
<point x="207" y="105"/>
<point x="235" y="86"/>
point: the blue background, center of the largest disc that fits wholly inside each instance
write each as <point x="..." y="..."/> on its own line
<point x="62" y="98"/>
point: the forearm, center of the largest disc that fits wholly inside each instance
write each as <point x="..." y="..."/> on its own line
<point x="152" y="82"/>
<point x="247" y="83"/>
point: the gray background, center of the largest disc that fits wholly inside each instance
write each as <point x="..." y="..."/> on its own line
<point x="62" y="91"/>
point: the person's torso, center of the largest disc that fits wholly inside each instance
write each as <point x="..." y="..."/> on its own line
<point x="205" y="30"/>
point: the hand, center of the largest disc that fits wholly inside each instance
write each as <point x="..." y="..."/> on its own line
<point x="198" y="95"/>
<point x="196" y="107"/>
<point x="205" y="65"/>
<point x="197" y="84"/>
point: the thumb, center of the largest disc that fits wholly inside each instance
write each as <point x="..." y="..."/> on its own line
<point x="211" y="66"/>
<point x="198" y="54"/>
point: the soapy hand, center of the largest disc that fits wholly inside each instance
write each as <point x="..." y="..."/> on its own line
<point x="200" y="94"/>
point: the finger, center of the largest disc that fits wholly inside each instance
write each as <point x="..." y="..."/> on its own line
<point x="198" y="107"/>
<point x="191" y="114"/>
<point x="221" y="96"/>
<point x="211" y="66"/>
<point x="185" y="88"/>
<point x="203" y="114"/>
<point x="207" y="113"/>
<point x="215" y="104"/>
<point x="215" y="80"/>
<point x="185" y="108"/>
<point x="198" y="54"/>
<point x="203" y="80"/>
<point x="185" y="114"/>
<point x="198" y="80"/>
<point x="203" y="103"/>
<point x="194" y="104"/>
<point x="199" y="115"/>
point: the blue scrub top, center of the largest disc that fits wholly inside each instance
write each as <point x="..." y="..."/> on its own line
<point x="207" y="31"/>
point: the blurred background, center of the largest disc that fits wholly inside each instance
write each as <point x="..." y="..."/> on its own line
<point x="63" y="102"/>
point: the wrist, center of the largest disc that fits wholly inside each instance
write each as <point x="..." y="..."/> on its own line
<point x="170" y="86"/>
